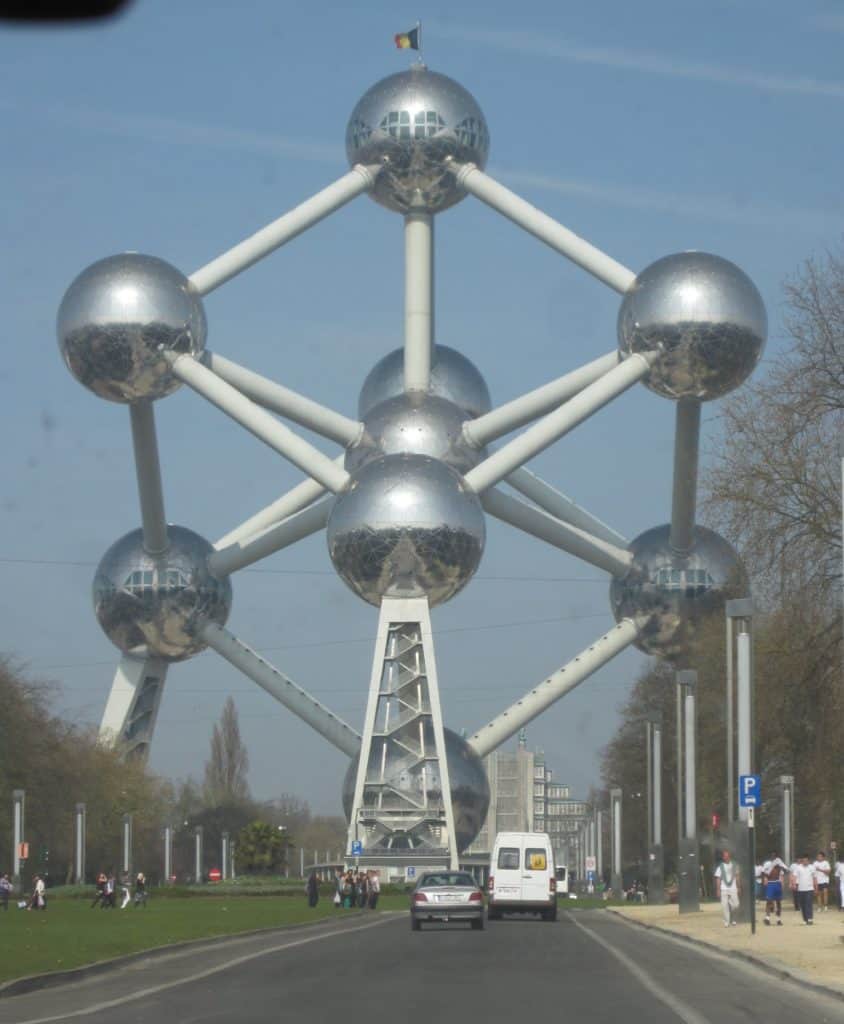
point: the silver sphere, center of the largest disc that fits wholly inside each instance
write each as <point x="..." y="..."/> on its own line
<point x="413" y="124"/>
<point x="415" y="423"/>
<point x="672" y="595"/>
<point x="453" y="377"/>
<point x="156" y="605"/>
<point x="467" y="779"/>
<point x="118" y="318"/>
<point x="407" y="526"/>
<point x="704" y="315"/>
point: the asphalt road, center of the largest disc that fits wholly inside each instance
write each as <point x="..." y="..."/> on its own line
<point x="587" y="967"/>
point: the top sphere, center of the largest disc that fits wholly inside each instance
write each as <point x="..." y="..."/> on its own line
<point x="118" y="318"/>
<point x="706" y="318"/>
<point x="413" y="123"/>
<point x="453" y="377"/>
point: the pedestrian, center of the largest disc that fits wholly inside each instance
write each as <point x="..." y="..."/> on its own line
<point x="125" y="896"/>
<point x="374" y="890"/>
<point x="727" y="887"/>
<point x="108" y="892"/>
<point x="5" y="890"/>
<point x="312" y="889"/>
<point x="839" y="874"/>
<point x="39" y="895"/>
<point x="363" y="890"/>
<point x="338" y="887"/>
<point x="349" y="890"/>
<point x="792" y="883"/>
<point x="101" y="886"/>
<point x="141" y="889"/>
<point x="773" y="871"/>
<point x="822" y="874"/>
<point x="807" y="886"/>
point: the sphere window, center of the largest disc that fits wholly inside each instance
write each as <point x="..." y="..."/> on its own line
<point x="426" y="123"/>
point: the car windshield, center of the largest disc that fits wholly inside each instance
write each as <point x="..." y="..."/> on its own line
<point x="446" y="878"/>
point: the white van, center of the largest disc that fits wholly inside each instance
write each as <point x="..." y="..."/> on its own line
<point x="521" y="875"/>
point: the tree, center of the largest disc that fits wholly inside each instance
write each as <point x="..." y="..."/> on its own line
<point x="225" y="770"/>
<point x="261" y="848"/>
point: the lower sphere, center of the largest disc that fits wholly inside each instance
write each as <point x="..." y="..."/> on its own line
<point x="467" y="779"/>
<point x="670" y="595"/>
<point x="407" y="526"/>
<point x="152" y="605"/>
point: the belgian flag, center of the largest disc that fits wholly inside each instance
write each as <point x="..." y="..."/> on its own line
<point x="408" y="40"/>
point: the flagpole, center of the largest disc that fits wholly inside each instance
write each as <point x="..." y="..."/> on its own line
<point x="419" y="38"/>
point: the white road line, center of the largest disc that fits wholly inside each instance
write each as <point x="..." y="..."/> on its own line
<point x="686" y="1013"/>
<point x="155" y="989"/>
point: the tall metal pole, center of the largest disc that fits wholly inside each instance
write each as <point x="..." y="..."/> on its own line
<point x="600" y="851"/>
<point x="168" y="854"/>
<point x="744" y="836"/>
<point x="126" y="845"/>
<point x="787" y="784"/>
<point x="678" y="743"/>
<point x="657" y="782"/>
<point x="79" y="844"/>
<point x="18" y="808"/>
<point x="690" y="730"/>
<point x="687" y="847"/>
<point x="224" y="858"/>
<point x="731" y="772"/>
<point x="197" y="860"/>
<point x="616" y="880"/>
<point x="649" y="780"/>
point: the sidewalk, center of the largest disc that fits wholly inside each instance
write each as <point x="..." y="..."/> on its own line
<point x="813" y="954"/>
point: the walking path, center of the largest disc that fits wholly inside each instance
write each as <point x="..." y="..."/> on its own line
<point x="809" y="954"/>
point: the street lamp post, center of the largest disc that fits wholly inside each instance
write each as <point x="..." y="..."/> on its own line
<point x="740" y="627"/>
<point x="687" y="850"/>
<point x="656" y="858"/>
<point x="616" y="880"/>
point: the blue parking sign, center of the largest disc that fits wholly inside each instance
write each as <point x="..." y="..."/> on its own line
<point x="750" y="791"/>
<point x="357" y="847"/>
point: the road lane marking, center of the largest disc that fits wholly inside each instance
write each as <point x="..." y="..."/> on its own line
<point x="686" y="1013"/>
<point x="155" y="989"/>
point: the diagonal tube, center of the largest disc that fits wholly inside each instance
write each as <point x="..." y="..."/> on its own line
<point x="259" y="422"/>
<point x="288" y="226"/>
<point x="560" y="506"/>
<point x="500" y="729"/>
<point x="537" y="523"/>
<point x="281" y="400"/>
<point x="545" y="228"/>
<point x="148" y="471"/>
<point x="281" y="535"/>
<point x="553" y="426"/>
<point x="285" y="691"/>
<point x="684" y="496"/>
<point x="536" y="403"/>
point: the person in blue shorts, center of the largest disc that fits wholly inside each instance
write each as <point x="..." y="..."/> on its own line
<point x="773" y="872"/>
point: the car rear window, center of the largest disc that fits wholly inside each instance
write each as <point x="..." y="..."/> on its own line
<point x="508" y="858"/>
<point x="451" y="878"/>
<point x="535" y="860"/>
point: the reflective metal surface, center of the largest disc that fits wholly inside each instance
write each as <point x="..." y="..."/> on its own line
<point x="119" y="316"/>
<point x="453" y="377"/>
<point x="415" y="423"/>
<point x="707" y="318"/>
<point x="406" y="527"/>
<point x="157" y="605"/>
<point x="469" y="784"/>
<point x="675" y="594"/>
<point x="412" y="123"/>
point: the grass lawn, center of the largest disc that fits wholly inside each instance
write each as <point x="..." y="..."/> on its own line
<point x="70" y="934"/>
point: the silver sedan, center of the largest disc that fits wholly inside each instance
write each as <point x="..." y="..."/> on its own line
<point x="446" y="896"/>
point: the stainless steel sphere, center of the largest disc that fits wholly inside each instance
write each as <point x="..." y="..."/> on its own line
<point x="118" y="318"/>
<point x="415" y="423"/>
<point x="412" y="124"/>
<point x="453" y="377"/>
<point x="407" y="526"/>
<point x="673" y="595"/>
<point x="704" y="315"/>
<point x="150" y="605"/>
<point x="467" y="778"/>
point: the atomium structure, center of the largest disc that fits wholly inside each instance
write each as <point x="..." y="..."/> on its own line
<point x="404" y="503"/>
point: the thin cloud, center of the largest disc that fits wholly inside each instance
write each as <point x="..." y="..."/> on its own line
<point x="534" y="45"/>
<point x="827" y="22"/>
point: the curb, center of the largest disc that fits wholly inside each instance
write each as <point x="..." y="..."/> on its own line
<point x="54" y="979"/>
<point x="755" y="961"/>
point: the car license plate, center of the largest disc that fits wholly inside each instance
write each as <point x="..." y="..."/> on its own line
<point x="508" y="890"/>
<point x="449" y="898"/>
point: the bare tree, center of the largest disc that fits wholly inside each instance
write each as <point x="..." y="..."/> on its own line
<point x="227" y="767"/>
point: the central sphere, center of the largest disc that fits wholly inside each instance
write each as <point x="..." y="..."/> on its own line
<point x="467" y="778"/>
<point x="156" y="605"/>
<point x="407" y="526"/>
<point x="413" y="124"/>
<point x="671" y="594"/>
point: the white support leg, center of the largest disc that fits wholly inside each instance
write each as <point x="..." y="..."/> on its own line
<point x="545" y="228"/>
<point x="560" y="506"/>
<point x="299" y="219"/>
<point x="283" y="401"/>
<point x="563" y="681"/>
<point x="246" y="552"/>
<point x="528" y="407"/>
<point x="402" y="787"/>
<point x="285" y="691"/>
<point x="553" y="426"/>
<point x="259" y="423"/>
<point x="537" y="523"/>
<point x="128" y="721"/>
<point x="148" y="472"/>
<point x="419" y="300"/>
<point x="684" y="497"/>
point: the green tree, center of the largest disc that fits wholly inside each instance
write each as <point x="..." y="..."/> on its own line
<point x="261" y="848"/>
<point x="226" y="768"/>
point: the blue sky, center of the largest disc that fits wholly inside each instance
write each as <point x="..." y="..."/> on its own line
<point x="181" y="128"/>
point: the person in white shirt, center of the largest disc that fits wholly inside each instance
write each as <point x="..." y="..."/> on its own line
<point x="727" y="887"/>
<point x="822" y="872"/>
<point x="792" y="882"/>
<point x="839" y="874"/>
<point x="806" y="888"/>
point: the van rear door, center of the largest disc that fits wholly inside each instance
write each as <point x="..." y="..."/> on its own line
<point x="508" y="871"/>
<point x="535" y="873"/>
